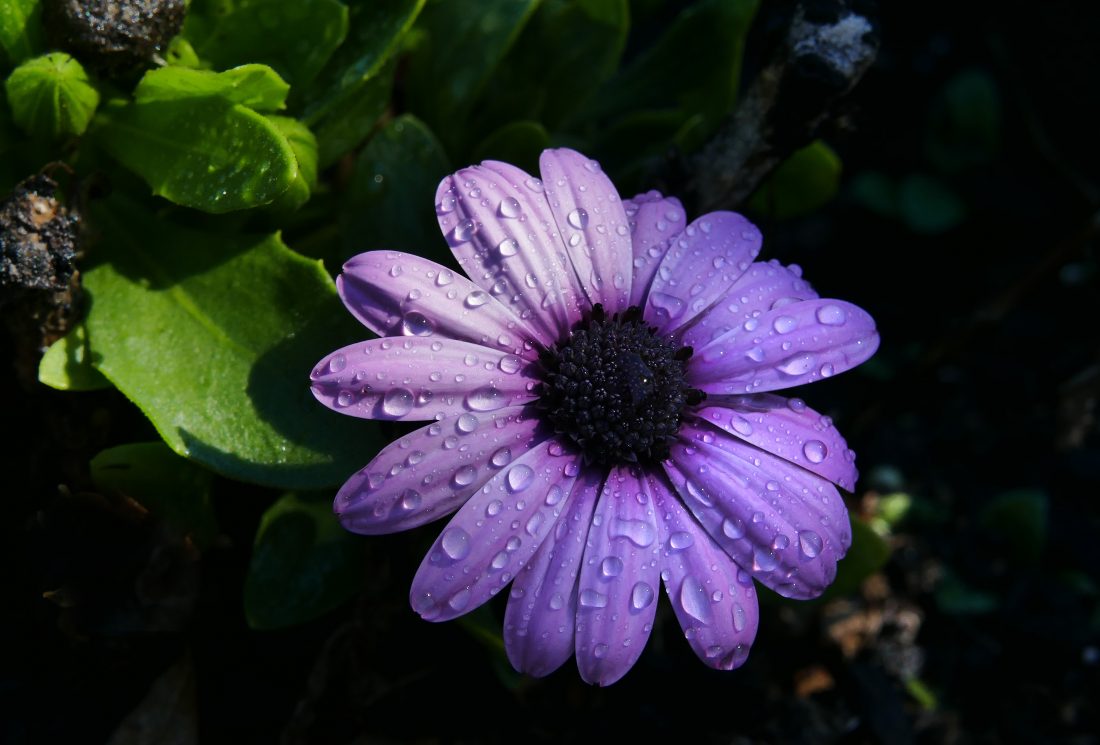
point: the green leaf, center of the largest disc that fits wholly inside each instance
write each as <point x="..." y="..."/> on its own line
<point x="461" y="52"/>
<point x="213" y="337"/>
<point x="957" y="598"/>
<point x="392" y="192"/>
<point x="349" y="123"/>
<point x="170" y="487"/>
<point x="205" y="153"/>
<point x="180" y="53"/>
<point x="1019" y="519"/>
<point x="51" y="95"/>
<point x="67" y="364"/>
<point x="303" y="564"/>
<point x="376" y="31"/>
<point x="803" y="183"/>
<point x="928" y="205"/>
<point x="256" y="86"/>
<point x="304" y="145"/>
<point x="296" y="38"/>
<point x="518" y="143"/>
<point x="20" y="29"/>
<point x="694" y="67"/>
<point x="868" y="553"/>
<point x="564" y="54"/>
<point x="964" y="127"/>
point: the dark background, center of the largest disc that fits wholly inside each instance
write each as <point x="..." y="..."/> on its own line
<point x="980" y="407"/>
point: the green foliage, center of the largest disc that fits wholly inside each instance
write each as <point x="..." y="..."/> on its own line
<point x="1018" y="519"/>
<point x="803" y="183"/>
<point x="51" y="96"/>
<point x="213" y="337"/>
<point x="303" y="564"/>
<point x="67" y="364"/>
<point x="256" y="86"/>
<point x="172" y="488"/>
<point x="20" y="29"/>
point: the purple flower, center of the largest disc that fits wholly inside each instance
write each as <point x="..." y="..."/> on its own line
<point x="601" y="416"/>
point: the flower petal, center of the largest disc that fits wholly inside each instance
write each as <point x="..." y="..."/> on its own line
<point x="655" y="220"/>
<point x="619" y="579"/>
<point x="786" y="526"/>
<point x="429" y="473"/>
<point x="410" y="378"/>
<point x="500" y="228"/>
<point x="713" y="598"/>
<point x="788" y="428"/>
<point x="700" y="267"/>
<point x="540" y="620"/>
<point x="788" y="346"/>
<point x="763" y="286"/>
<point x="593" y="224"/>
<point x="495" y="533"/>
<point x="398" y="294"/>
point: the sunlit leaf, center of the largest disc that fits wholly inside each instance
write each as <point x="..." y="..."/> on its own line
<point x="213" y="337"/>
<point x="255" y="86"/>
<point x="67" y="364"/>
<point x="304" y="145"/>
<point x="51" y="96"/>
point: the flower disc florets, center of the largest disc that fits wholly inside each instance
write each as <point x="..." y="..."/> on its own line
<point x="616" y="388"/>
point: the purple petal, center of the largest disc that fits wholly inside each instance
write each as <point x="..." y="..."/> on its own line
<point x="655" y="220"/>
<point x="495" y="533"/>
<point x="619" y="578"/>
<point x="714" y="599"/>
<point x="700" y="267"/>
<point x="593" y="224"/>
<point x="788" y="428"/>
<point x="410" y="378"/>
<point x="788" y="346"/>
<point x="540" y="619"/>
<point x="765" y="285"/>
<point x="785" y="525"/>
<point x="398" y="294"/>
<point x="429" y="473"/>
<point x="500" y="228"/>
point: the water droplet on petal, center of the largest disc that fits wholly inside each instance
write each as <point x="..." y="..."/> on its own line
<point x="466" y="423"/>
<point x="345" y="398"/>
<point x="509" y="207"/>
<point x="455" y="542"/>
<point x="397" y="402"/>
<point x="815" y="451"/>
<point x="810" y="543"/>
<point x="464" y="231"/>
<point x="486" y="398"/>
<point x="533" y="524"/>
<point x="410" y="500"/>
<point x="578" y="218"/>
<point x="557" y="602"/>
<point x="612" y="566"/>
<point x="534" y="185"/>
<point x="800" y="364"/>
<point x="593" y="599"/>
<point x="784" y="324"/>
<point x="509" y="364"/>
<point x="337" y="363"/>
<point x="680" y="540"/>
<point x="694" y="600"/>
<point x="831" y="315"/>
<point x="599" y="651"/>
<point x="638" y="532"/>
<point x="508" y="247"/>
<point x="519" y="477"/>
<point x="501" y="457"/>
<point x="641" y="596"/>
<point x="476" y="299"/>
<point x="465" y="476"/>
<point x="669" y="304"/>
<point x="493" y="508"/>
<point x="733" y="529"/>
<point x="415" y="323"/>
<point x="444" y="278"/>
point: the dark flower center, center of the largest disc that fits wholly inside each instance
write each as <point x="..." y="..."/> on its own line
<point x="616" y="388"/>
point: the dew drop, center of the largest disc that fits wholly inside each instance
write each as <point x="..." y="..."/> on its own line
<point x="534" y="185"/>
<point x="486" y="398"/>
<point x="509" y="207"/>
<point x="459" y="600"/>
<point x="533" y="524"/>
<point x="464" y="231"/>
<point x="493" y="508"/>
<point x="809" y="543"/>
<point x="669" y="304"/>
<point x="465" y="476"/>
<point x="694" y="600"/>
<point x="337" y="363"/>
<point x="466" y="423"/>
<point x="578" y="218"/>
<point x="641" y="596"/>
<point x="831" y="315"/>
<point x="733" y="529"/>
<point x="345" y="398"/>
<point x="415" y="323"/>
<point x="638" y="532"/>
<point x="519" y="478"/>
<point x="680" y="540"/>
<point x="800" y="364"/>
<point x="509" y="364"/>
<point x="501" y="457"/>
<point x="397" y="402"/>
<point x="508" y="247"/>
<point x="557" y="602"/>
<point x="455" y="542"/>
<point x="554" y="495"/>
<point x="815" y="451"/>
<point x="599" y="651"/>
<point x="784" y="324"/>
<point x="476" y="299"/>
<point x="444" y="278"/>
<point x="410" y="500"/>
<point x="499" y="561"/>
<point x="593" y="599"/>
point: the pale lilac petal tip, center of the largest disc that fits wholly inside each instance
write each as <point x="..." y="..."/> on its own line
<point x="655" y="221"/>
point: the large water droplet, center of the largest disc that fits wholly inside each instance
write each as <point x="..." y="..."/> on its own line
<point x="460" y="600"/>
<point x="509" y="207"/>
<point x="694" y="600"/>
<point x="763" y="561"/>
<point x="337" y="363"/>
<point x="599" y="651"/>
<point x="810" y="543"/>
<point x="466" y="423"/>
<point x="508" y="247"/>
<point x="501" y="457"/>
<point x="410" y="500"/>
<point x="415" y="323"/>
<point x="455" y="542"/>
<point x="499" y="561"/>
<point x="815" y="451"/>
<point x="800" y="364"/>
<point x="464" y="231"/>
<point x="733" y="529"/>
<point x="668" y="304"/>
<point x="465" y="476"/>
<point x="831" y="315"/>
<point x="493" y="508"/>
<point x="557" y="602"/>
<point x="612" y="566"/>
<point x="593" y="599"/>
<point x="641" y="596"/>
<point x="397" y="402"/>
<point x="476" y="299"/>
<point x="533" y="524"/>
<point x="739" y="619"/>
<point x="519" y="477"/>
<point x="486" y="398"/>
<point x="554" y="495"/>
<point x="784" y="324"/>
<point x="444" y="278"/>
<point x="638" y="532"/>
<point x="680" y="540"/>
<point x="578" y="218"/>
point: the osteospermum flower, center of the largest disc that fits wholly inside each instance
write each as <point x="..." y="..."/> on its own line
<point x="601" y="416"/>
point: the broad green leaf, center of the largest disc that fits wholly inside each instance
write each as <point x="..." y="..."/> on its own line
<point x="564" y="54"/>
<point x="296" y="38"/>
<point x="390" y="202"/>
<point x="964" y="126"/>
<point x="67" y="365"/>
<point x="205" y="153"/>
<point x="304" y="145"/>
<point x="1018" y="519"/>
<point x="804" y="182"/>
<point x="303" y="564"/>
<point x="376" y="30"/>
<point x="928" y="205"/>
<point x="256" y="86"/>
<point x="213" y="337"/>
<point x="463" y="47"/>
<point x="518" y="143"/>
<point x="351" y="121"/>
<point x="694" y="67"/>
<point x="20" y="29"/>
<point x="170" y="487"/>
<point x="867" y="554"/>
<point x="180" y="53"/>
<point x="52" y="96"/>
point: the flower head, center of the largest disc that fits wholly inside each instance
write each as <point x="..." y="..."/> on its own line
<point x="600" y="415"/>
